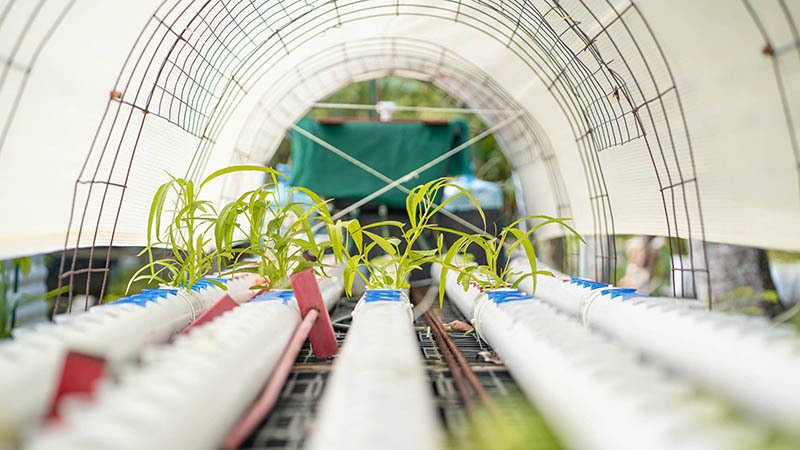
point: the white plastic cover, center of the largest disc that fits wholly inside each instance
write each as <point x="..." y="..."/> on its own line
<point x="654" y="117"/>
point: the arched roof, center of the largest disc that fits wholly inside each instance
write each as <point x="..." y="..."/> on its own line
<point x="649" y="117"/>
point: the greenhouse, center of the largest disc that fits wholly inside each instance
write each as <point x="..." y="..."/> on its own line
<point x="400" y="224"/>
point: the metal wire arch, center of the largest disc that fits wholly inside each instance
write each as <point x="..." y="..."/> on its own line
<point x="587" y="120"/>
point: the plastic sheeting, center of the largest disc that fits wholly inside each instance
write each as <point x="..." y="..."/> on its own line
<point x="667" y="118"/>
<point x="392" y="148"/>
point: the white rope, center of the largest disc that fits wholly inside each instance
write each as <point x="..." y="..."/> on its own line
<point x="416" y="108"/>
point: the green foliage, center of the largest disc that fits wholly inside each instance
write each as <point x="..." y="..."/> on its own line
<point x="778" y="256"/>
<point x="403" y="258"/>
<point x="278" y="232"/>
<point x="187" y="235"/>
<point x="518" y="426"/>
<point x="791" y="316"/>
<point x="260" y="232"/>
<point x="8" y="308"/>
<point x="745" y="300"/>
<point x="119" y="277"/>
<point x="421" y="207"/>
<point x="490" y="275"/>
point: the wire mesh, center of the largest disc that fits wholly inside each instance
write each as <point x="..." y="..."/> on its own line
<point x="194" y="62"/>
<point x="20" y="49"/>
<point x="777" y="23"/>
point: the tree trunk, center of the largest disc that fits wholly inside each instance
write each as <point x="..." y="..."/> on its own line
<point x="740" y="278"/>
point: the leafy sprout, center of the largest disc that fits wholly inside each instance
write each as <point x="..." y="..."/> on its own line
<point x="187" y="236"/>
<point x="277" y="233"/>
<point x="404" y="258"/>
<point x="490" y="275"/>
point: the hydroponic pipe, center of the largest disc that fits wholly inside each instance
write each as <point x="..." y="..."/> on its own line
<point x="595" y="394"/>
<point x="752" y="362"/>
<point x="31" y="363"/>
<point x="191" y="393"/>
<point x="263" y="405"/>
<point x="378" y="396"/>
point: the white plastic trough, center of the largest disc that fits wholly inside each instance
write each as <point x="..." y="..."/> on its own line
<point x="747" y="359"/>
<point x="31" y="363"/>
<point x="595" y="394"/>
<point x="191" y="393"/>
<point x="378" y="396"/>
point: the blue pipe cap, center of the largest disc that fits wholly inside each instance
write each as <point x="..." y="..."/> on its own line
<point x="138" y="299"/>
<point x="508" y="296"/>
<point x="588" y="283"/>
<point x="624" y="293"/>
<point x="382" y="295"/>
<point x="201" y="284"/>
<point x="221" y="280"/>
<point x="285" y="296"/>
<point x="163" y="293"/>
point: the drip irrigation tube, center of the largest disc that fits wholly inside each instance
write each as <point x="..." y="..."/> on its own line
<point x="747" y="359"/>
<point x="378" y="395"/>
<point x="595" y="394"/>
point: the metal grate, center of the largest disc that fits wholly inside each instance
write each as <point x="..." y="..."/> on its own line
<point x="288" y="424"/>
<point x="293" y="417"/>
<point x="470" y="345"/>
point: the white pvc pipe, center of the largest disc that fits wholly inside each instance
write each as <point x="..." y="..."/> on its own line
<point x="191" y="393"/>
<point x="747" y="359"/>
<point x="414" y="108"/>
<point x="378" y="395"/>
<point x="31" y="363"/>
<point x="595" y="394"/>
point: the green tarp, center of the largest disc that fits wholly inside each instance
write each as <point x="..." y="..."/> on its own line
<point x="391" y="148"/>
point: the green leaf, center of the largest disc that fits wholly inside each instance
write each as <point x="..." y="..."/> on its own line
<point x="383" y="243"/>
<point x="529" y="251"/>
<point x="241" y="168"/>
<point x="354" y="230"/>
<point x="390" y="223"/>
<point x="447" y="264"/>
<point x="465" y="192"/>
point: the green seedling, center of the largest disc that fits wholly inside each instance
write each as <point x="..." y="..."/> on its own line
<point x="188" y="235"/>
<point x="490" y="275"/>
<point x="403" y="257"/>
<point x="276" y="233"/>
